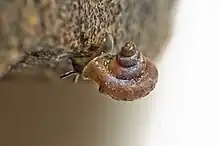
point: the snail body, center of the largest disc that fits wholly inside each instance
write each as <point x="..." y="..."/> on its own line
<point x="80" y="60"/>
<point x="126" y="76"/>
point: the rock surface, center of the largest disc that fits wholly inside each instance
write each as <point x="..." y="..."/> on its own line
<point x="36" y="34"/>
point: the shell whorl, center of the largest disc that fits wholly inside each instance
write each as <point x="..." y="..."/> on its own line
<point x="127" y="63"/>
<point x="128" y="56"/>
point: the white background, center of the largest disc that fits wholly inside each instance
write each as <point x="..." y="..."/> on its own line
<point x="188" y="110"/>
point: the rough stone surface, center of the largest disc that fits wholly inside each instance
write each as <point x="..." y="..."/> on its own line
<point x="42" y="35"/>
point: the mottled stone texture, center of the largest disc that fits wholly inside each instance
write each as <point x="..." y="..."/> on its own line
<point x="37" y="35"/>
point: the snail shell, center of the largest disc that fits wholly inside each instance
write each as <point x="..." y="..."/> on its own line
<point x="126" y="76"/>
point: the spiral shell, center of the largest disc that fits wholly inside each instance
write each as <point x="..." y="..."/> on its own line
<point x="126" y="76"/>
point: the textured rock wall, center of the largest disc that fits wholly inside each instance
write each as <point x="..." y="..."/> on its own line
<point x="35" y="34"/>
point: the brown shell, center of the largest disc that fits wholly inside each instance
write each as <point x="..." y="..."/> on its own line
<point x="100" y="70"/>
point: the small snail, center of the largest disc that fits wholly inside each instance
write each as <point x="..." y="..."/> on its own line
<point x="126" y="76"/>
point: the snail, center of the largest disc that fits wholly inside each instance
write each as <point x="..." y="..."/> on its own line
<point x="127" y="76"/>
